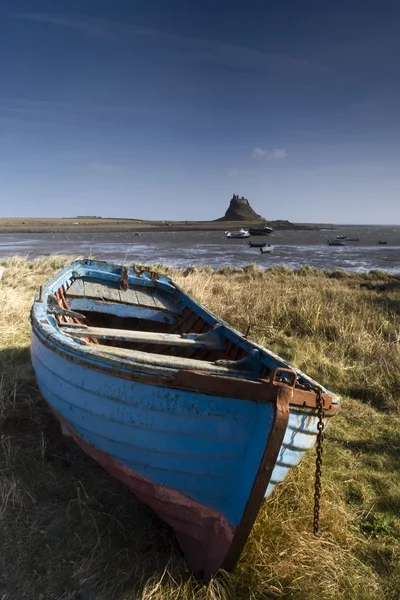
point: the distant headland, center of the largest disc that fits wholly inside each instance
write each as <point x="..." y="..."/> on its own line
<point x="238" y="212"/>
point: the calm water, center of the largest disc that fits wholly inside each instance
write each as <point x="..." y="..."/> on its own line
<point x="291" y="248"/>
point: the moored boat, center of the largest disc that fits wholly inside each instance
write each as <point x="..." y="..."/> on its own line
<point x="264" y="230"/>
<point x="196" y="420"/>
<point x="241" y="234"/>
<point x="257" y="244"/>
<point x="267" y="249"/>
<point x="336" y="242"/>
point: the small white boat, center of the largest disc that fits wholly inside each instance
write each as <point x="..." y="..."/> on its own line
<point x="267" y="249"/>
<point x="243" y="233"/>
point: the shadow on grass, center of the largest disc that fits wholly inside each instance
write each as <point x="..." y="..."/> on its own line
<point x="73" y="530"/>
<point x="378" y="461"/>
<point x="384" y="447"/>
<point x="390" y="305"/>
<point x="368" y="395"/>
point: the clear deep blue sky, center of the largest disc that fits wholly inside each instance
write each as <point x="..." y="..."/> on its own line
<point x="165" y="108"/>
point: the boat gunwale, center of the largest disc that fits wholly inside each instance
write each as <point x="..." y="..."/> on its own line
<point x="180" y="379"/>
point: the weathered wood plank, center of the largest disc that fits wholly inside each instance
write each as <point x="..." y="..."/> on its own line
<point x="145" y="336"/>
<point x="89" y="289"/>
<point x="122" y="310"/>
<point x="146" y="298"/>
<point x="111" y="293"/>
<point x="172" y="362"/>
<point x="164" y="303"/>
<point x="108" y="291"/>
<point x="158" y="302"/>
<point x="77" y="288"/>
<point x="128" y="297"/>
<point x="94" y="290"/>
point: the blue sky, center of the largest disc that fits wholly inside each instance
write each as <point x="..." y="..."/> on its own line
<point x="163" y="109"/>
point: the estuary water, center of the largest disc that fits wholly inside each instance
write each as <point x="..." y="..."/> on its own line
<point x="292" y="248"/>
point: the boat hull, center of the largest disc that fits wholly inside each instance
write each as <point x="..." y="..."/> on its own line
<point x="260" y="231"/>
<point x="193" y="458"/>
<point x="204" y="535"/>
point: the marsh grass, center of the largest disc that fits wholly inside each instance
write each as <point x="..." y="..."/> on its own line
<point x="68" y="531"/>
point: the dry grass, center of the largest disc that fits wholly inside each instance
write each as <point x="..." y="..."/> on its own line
<point x="68" y="531"/>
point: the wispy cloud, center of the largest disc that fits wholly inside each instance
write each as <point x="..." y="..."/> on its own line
<point x="198" y="48"/>
<point x="274" y="154"/>
<point x="15" y="105"/>
<point x="97" y="27"/>
<point x="100" y="167"/>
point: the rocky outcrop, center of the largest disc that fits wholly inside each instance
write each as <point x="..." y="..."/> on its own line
<point x="240" y="210"/>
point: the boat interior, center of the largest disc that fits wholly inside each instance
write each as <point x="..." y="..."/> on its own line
<point x="146" y="323"/>
<point x="140" y="318"/>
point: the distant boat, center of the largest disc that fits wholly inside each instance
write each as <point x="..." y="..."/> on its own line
<point x="267" y="249"/>
<point x="382" y="242"/>
<point x="199" y="422"/>
<point x="336" y="242"/>
<point x="237" y="235"/>
<point x="257" y="244"/>
<point x="260" y="230"/>
<point x="341" y="237"/>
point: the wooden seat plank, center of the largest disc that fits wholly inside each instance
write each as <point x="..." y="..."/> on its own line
<point x="120" y="309"/>
<point x="211" y="342"/>
<point x="172" y="362"/>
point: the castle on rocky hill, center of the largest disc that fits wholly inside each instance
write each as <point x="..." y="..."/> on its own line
<point x="240" y="210"/>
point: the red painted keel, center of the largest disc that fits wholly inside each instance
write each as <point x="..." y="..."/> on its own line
<point x="204" y="535"/>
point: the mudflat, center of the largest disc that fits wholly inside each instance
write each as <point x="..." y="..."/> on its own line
<point x="93" y="224"/>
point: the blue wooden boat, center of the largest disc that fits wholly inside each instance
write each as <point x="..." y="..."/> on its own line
<point x="199" y="422"/>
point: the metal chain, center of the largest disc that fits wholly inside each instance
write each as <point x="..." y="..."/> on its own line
<point x="318" y="461"/>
